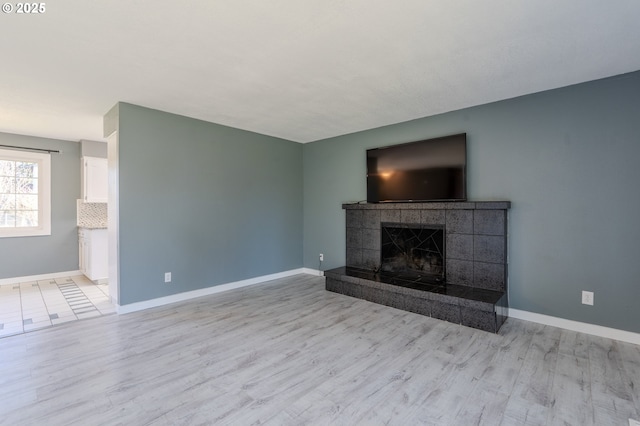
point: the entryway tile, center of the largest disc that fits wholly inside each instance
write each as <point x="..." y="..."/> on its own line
<point x="44" y="303"/>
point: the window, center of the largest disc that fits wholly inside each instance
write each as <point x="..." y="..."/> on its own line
<point x="25" y="193"/>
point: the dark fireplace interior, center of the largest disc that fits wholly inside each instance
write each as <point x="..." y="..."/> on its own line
<point x="413" y="251"/>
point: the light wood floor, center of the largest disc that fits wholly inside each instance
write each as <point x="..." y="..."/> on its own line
<point x="288" y="352"/>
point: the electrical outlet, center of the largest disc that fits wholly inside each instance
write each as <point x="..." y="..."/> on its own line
<point x="587" y="298"/>
<point x="167" y="277"/>
<point x="321" y="257"/>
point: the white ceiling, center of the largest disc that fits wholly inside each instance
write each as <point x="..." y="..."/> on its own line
<point x="302" y="70"/>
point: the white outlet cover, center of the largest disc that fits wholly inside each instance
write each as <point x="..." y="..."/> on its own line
<point x="587" y="298"/>
<point x="167" y="277"/>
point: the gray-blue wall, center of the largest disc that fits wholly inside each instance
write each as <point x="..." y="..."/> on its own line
<point x="58" y="252"/>
<point x="208" y="203"/>
<point x="568" y="159"/>
<point x="93" y="149"/>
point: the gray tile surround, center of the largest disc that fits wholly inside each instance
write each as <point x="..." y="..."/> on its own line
<point x="475" y="232"/>
<point x="489" y="248"/>
<point x="460" y="271"/>
<point x="476" y="258"/>
<point x="489" y="222"/>
<point x="459" y="246"/>
<point x="458" y="221"/>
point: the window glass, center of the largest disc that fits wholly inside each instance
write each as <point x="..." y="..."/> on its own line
<point x="25" y="199"/>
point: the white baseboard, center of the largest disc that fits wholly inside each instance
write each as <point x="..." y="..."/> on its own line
<point x="180" y="297"/>
<point x="30" y="278"/>
<point x="581" y="327"/>
<point x="310" y="271"/>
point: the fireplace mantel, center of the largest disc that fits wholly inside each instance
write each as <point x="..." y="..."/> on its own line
<point x="475" y="260"/>
<point x="456" y="205"/>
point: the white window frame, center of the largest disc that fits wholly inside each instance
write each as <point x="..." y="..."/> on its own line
<point x="44" y="193"/>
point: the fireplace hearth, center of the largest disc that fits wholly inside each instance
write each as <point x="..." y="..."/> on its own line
<point x="445" y="260"/>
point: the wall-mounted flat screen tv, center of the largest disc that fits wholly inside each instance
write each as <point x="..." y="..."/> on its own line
<point x="427" y="170"/>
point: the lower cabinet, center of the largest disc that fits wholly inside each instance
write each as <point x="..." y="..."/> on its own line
<point x="93" y="260"/>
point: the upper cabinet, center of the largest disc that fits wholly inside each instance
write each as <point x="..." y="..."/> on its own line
<point x="94" y="180"/>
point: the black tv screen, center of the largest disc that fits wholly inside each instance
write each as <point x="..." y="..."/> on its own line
<point x="427" y="170"/>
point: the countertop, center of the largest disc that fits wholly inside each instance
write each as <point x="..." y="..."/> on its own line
<point x="94" y="226"/>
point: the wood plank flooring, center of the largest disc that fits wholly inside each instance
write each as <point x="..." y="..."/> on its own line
<point x="290" y="353"/>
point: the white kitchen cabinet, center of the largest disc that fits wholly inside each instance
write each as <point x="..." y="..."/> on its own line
<point x="95" y="187"/>
<point x="93" y="244"/>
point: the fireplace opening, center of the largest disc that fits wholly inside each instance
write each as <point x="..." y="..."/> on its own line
<point x="413" y="251"/>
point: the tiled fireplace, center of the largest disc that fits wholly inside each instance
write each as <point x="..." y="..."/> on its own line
<point x="446" y="260"/>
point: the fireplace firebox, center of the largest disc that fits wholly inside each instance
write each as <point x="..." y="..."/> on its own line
<point x="414" y="250"/>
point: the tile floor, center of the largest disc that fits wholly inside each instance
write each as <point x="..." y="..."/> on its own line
<point x="38" y="304"/>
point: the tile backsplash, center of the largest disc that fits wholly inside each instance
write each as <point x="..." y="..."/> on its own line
<point x="92" y="215"/>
